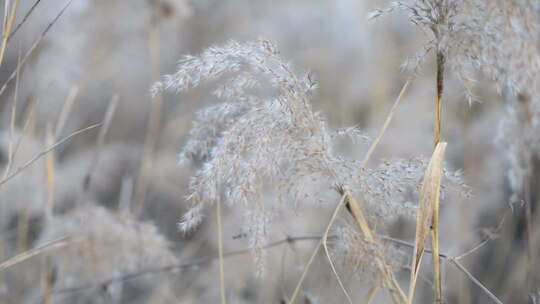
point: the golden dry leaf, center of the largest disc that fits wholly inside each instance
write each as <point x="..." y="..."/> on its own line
<point x="429" y="197"/>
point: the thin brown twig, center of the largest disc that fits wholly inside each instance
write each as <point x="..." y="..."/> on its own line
<point x="183" y="266"/>
<point x="485" y="241"/>
<point x="454" y="262"/>
<point x="23" y="20"/>
<point x="34" y="46"/>
<point x="475" y="280"/>
<point x="44" y="152"/>
<point x="287" y="240"/>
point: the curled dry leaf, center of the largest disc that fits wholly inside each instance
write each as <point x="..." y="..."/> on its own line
<point x="429" y="197"/>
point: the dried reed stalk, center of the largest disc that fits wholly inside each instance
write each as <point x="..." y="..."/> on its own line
<point x="33" y="252"/>
<point x="6" y="30"/>
<point x="220" y="249"/>
<point x="435" y="219"/>
<point x="397" y="294"/>
<point x="144" y="182"/>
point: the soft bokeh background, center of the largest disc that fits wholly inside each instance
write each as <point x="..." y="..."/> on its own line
<point x="127" y="193"/>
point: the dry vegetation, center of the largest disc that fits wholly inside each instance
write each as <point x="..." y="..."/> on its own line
<point x="361" y="152"/>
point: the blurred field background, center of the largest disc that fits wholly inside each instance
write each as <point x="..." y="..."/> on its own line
<point x="105" y="203"/>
